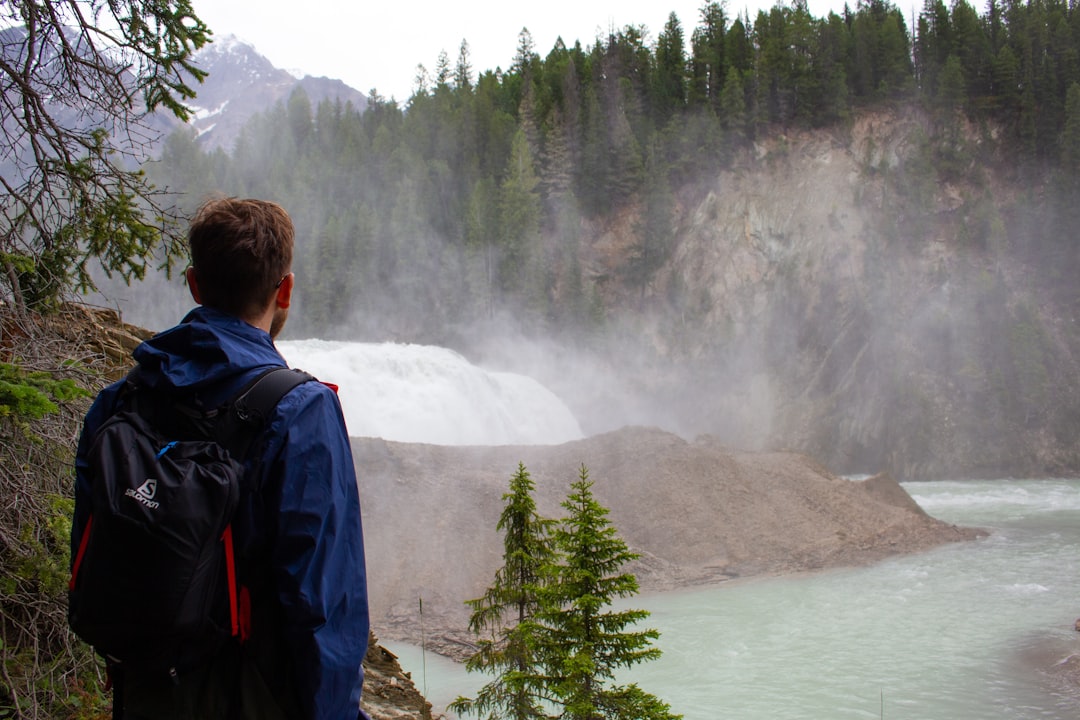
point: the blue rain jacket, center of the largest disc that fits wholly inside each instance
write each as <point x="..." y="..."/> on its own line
<point x="306" y="485"/>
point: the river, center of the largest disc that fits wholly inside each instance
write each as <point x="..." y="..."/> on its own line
<point x="951" y="634"/>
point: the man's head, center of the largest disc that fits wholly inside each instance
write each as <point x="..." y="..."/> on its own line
<point x="241" y="258"/>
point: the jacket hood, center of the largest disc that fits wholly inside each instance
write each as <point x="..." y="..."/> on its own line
<point x="206" y="349"/>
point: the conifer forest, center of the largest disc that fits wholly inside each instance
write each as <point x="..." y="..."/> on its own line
<point x="484" y="191"/>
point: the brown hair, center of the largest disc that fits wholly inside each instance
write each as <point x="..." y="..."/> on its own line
<point x="240" y="251"/>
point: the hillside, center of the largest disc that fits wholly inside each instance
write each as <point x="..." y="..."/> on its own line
<point x="828" y="294"/>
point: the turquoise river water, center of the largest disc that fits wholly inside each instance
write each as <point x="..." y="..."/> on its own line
<point x="957" y="633"/>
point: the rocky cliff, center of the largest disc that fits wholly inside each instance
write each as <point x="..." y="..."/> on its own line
<point x="874" y="298"/>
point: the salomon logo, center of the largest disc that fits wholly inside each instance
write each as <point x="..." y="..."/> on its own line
<point x="145" y="494"/>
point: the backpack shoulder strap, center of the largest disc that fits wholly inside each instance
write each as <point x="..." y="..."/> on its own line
<point x="248" y="412"/>
<point x="256" y="401"/>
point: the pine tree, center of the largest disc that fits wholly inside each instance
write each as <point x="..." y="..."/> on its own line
<point x="1070" y="137"/>
<point x="506" y="612"/>
<point x="463" y="69"/>
<point x="520" y="207"/>
<point x="442" y="70"/>
<point x="79" y="86"/>
<point x="707" y="56"/>
<point x="669" y="91"/>
<point x="733" y="109"/>
<point x="654" y="230"/>
<point x="584" y="642"/>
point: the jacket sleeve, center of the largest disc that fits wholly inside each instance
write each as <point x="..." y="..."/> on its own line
<point x="318" y="555"/>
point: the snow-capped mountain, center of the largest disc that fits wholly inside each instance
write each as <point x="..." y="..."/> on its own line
<point x="241" y="83"/>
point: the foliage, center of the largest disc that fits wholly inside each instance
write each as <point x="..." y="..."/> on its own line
<point x="78" y="79"/>
<point x="553" y="643"/>
<point x="562" y="194"/>
<point x="78" y="82"/>
<point x="504" y="618"/>
<point x="30" y="395"/>
<point x="584" y="640"/>
<point x="44" y="672"/>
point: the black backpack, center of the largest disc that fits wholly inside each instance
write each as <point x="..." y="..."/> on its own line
<point x="153" y="583"/>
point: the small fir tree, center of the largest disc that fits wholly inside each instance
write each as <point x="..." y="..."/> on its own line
<point x="506" y="613"/>
<point x="584" y="642"/>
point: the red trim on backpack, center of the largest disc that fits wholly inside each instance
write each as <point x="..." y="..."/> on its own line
<point x="230" y="571"/>
<point x="83" y="542"/>
<point x="332" y="386"/>
<point x="245" y="614"/>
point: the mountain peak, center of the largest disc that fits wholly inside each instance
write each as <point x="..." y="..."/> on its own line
<point x="241" y="82"/>
<point x="229" y="43"/>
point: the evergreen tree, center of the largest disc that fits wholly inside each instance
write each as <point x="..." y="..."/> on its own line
<point x="972" y="46"/>
<point x="481" y="237"/>
<point x="1070" y="139"/>
<point x="442" y="70"/>
<point x="300" y="121"/>
<point x="669" y="84"/>
<point x="71" y="117"/>
<point x="733" y="109"/>
<point x="520" y="207"/>
<point x="654" y="230"/>
<point x="830" y="61"/>
<point x="707" y="56"/>
<point x="463" y="69"/>
<point x="950" y="97"/>
<point x="738" y="48"/>
<point x="584" y="641"/>
<point x="1006" y="85"/>
<point x="506" y="612"/>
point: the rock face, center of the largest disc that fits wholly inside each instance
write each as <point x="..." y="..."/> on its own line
<point x="389" y="692"/>
<point x="695" y="511"/>
<point x="839" y="293"/>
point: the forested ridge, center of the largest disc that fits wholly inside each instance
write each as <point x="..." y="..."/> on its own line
<point x="486" y="189"/>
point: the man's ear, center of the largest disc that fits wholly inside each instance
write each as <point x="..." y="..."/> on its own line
<point x="193" y="285"/>
<point x="284" y="291"/>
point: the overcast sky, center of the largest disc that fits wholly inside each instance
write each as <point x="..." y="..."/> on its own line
<point x="379" y="44"/>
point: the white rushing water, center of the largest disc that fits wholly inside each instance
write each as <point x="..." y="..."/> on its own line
<point x="951" y="634"/>
<point x="426" y="394"/>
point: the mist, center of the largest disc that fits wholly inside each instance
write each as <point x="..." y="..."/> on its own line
<point x="875" y="286"/>
<point x="795" y="308"/>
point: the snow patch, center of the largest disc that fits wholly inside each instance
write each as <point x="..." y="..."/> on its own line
<point x="203" y="113"/>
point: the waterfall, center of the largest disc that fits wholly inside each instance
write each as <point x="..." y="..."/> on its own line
<point x="427" y="394"/>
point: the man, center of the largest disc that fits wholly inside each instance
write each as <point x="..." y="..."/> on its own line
<point x="298" y="527"/>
